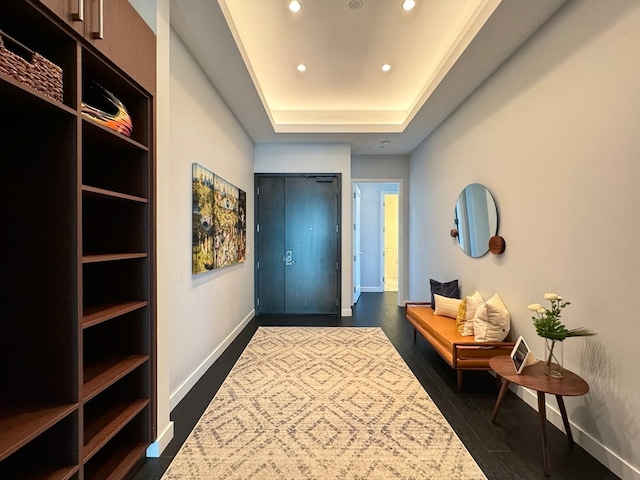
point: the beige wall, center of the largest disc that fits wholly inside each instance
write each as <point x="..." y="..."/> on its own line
<point x="555" y="135"/>
<point x="202" y="313"/>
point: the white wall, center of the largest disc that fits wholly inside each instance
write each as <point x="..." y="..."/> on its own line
<point x="158" y="19"/>
<point x="317" y="158"/>
<point x="202" y="313"/>
<point x="555" y="135"/>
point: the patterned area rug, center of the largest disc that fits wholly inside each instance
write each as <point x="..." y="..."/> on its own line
<point x="322" y="403"/>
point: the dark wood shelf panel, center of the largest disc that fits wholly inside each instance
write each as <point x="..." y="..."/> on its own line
<point x="43" y="473"/>
<point x="16" y="95"/>
<point x="101" y="135"/>
<point x="101" y="375"/>
<point x="104" y="428"/>
<point x="120" y="462"/>
<point x="21" y="424"/>
<point x="101" y="192"/>
<point x="111" y="257"/>
<point x="101" y="313"/>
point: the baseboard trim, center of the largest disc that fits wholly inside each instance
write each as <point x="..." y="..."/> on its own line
<point x="371" y="289"/>
<point x="600" y="452"/>
<point x="346" y="312"/>
<point x="156" y="448"/>
<point x="189" y="383"/>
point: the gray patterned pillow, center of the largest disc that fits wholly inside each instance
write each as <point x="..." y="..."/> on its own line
<point x="446" y="289"/>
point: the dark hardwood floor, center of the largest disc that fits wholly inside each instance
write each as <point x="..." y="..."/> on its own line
<point x="509" y="449"/>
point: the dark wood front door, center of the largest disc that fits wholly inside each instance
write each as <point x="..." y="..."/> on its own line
<point x="297" y="244"/>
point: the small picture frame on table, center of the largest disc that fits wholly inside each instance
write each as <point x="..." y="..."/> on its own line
<point x="521" y="355"/>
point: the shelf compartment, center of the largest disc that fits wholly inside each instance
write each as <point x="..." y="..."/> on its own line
<point x="99" y="429"/>
<point x="114" y="279"/>
<point x="99" y="376"/>
<point x="16" y="96"/>
<point x="117" y="456"/>
<point x="53" y="448"/>
<point x="38" y="196"/>
<point x="135" y="100"/>
<point x="26" y="24"/>
<point x="112" y="225"/>
<point x="115" y="461"/>
<point x="104" y="137"/>
<point x="113" y="162"/>
<point x="114" y="408"/>
<point x="119" y="337"/>
<point x="96" y="314"/>
<point x="20" y="425"/>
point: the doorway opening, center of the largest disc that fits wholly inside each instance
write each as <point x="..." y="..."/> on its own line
<point x="377" y="247"/>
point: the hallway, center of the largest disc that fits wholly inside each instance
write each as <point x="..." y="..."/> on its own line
<point x="507" y="450"/>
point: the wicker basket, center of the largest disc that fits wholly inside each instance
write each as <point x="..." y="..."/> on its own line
<point x="38" y="72"/>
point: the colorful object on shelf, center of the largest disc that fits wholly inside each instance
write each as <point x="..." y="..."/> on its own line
<point x="103" y="107"/>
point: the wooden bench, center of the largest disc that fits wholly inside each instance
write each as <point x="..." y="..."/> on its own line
<point x="461" y="353"/>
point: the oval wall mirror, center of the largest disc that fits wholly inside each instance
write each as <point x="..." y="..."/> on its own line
<point x="476" y="219"/>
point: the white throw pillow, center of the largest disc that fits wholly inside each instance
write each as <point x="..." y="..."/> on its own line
<point x="446" y="307"/>
<point x="492" y="321"/>
<point x="473" y="302"/>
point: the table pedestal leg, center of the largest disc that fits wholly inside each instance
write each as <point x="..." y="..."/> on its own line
<point x="542" y="409"/>
<point x="503" y="390"/>
<point x="565" y="419"/>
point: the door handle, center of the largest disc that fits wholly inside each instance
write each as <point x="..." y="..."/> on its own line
<point x="288" y="258"/>
<point x="98" y="34"/>
<point x="79" y="15"/>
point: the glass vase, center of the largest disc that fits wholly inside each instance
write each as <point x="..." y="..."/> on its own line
<point x="553" y="358"/>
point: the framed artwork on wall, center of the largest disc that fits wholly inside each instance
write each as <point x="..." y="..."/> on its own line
<point x="219" y="229"/>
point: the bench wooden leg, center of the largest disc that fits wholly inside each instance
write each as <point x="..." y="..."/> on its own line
<point x="459" y="379"/>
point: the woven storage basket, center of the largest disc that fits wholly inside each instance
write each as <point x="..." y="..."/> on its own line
<point x="38" y="73"/>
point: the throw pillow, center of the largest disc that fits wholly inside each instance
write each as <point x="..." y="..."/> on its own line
<point x="447" y="307"/>
<point x="446" y="289"/>
<point x="461" y="316"/>
<point x="492" y="321"/>
<point x="473" y="302"/>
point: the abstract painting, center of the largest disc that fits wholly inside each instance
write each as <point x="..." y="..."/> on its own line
<point x="219" y="221"/>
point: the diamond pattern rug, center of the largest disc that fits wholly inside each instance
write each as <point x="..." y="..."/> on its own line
<point x="322" y="403"/>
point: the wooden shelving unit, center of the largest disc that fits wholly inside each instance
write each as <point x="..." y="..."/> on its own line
<point x="77" y="348"/>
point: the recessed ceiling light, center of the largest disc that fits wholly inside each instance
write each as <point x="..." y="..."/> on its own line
<point x="384" y="143"/>
<point x="295" y="6"/>
<point x="408" y="4"/>
<point x="386" y="67"/>
<point x="302" y="67"/>
<point x="353" y="4"/>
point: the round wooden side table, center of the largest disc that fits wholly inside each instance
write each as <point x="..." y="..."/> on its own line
<point x="533" y="377"/>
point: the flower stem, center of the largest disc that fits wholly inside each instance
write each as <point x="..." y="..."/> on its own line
<point x="553" y="344"/>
